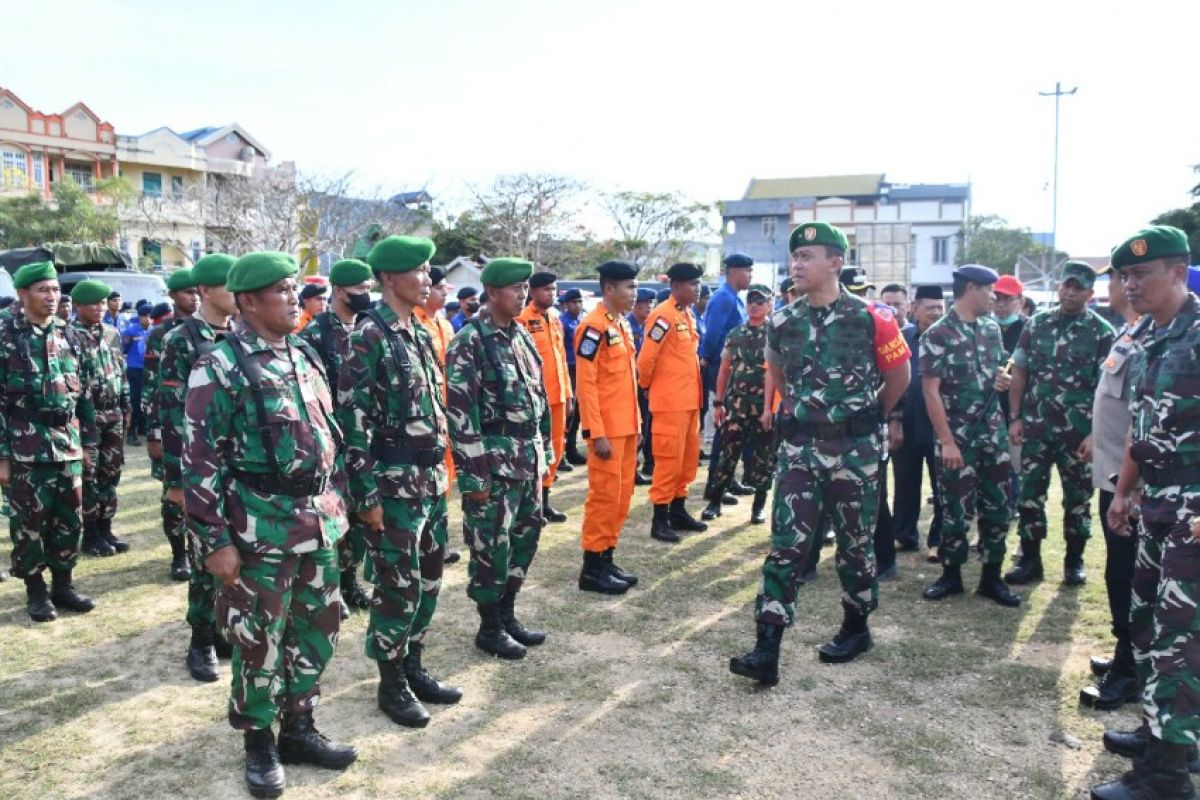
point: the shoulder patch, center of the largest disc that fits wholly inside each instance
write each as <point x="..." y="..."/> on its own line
<point x="883" y="311"/>
<point x="660" y="329"/>
<point x="589" y="343"/>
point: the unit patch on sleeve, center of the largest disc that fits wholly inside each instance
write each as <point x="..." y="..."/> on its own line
<point x="660" y="329"/>
<point x="589" y="343"/>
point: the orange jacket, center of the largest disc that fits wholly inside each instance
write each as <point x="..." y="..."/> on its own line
<point x="547" y="332"/>
<point x="440" y="330"/>
<point x="668" y="365"/>
<point x="606" y="376"/>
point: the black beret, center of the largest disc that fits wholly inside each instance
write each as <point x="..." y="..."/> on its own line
<point x="452" y="305"/>
<point x="467" y="291"/>
<point x="160" y="310"/>
<point x="684" y="272"/>
<point x="617" y="270"/>
<point x="436" y="275"/>
<point x="312" y="290"/>
<point x="738" y="260"/>
<point x="569" y="295"/>
<point x="144" y="311"/>
<point x="930" y="293"/>
<point x="662" y="295"/>
<point x="539" y="279"/>
<point x="977" y="274"/>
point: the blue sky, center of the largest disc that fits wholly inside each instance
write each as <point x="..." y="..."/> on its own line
<point x="691" y="96"/>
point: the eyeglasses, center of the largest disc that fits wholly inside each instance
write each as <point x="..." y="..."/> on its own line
<point x="756" y="300"/>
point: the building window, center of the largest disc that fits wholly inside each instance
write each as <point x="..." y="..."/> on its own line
<point x="151" y="253"/>
<point x="176" y="187"/>
<point x="81" y="174"/>
<point x="152" y="184"/>
<point x="941" y="249"/>
<point x="39" y="170"/>
<point x="12" y="168"/>
<point x="768" y="224"/>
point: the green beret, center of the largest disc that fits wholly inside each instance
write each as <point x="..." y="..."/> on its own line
<point x="212" y="270"/>
<point x="181" y="279"/>
<point x="1150" y="244"/>
<point x="255" y="271"/>
<point x="505" y="271"/>
<point x="1079" y="271"/>
<point x="37" y="272"/>
<point x="349" y="272"/>
<point x="820" y="233"/>
<point x="401" y="253"/>
<point x="88" y="292"/>
<point x="759" y="289"/>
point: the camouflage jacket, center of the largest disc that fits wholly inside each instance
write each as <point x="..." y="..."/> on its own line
<point x="109" y="387"/>
<point x="329" y="336"/>
<point x="1061" y="357"/>
<point x="746" y="347"/>
<point x="181" y="349"/>
<point x="1165" y="405"/>
<point x="965" y="357"/>
<point x="46" y="412"/>
<point x="499" y="415"/>
<point x="150" y="365"/>
<point x="387" y="420"/>
<point x="225" y="449"/>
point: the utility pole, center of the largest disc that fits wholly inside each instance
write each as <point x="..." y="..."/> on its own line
<point x="1057" y="94"/>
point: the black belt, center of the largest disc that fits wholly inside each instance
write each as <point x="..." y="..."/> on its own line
<point x="49" y="418"/>
<point x="1170" y="476"/>
<point x="861" y="424"/>
<point x="392" y="453"/>
<point x="287" y="485"/>
<point x="500" y="427"/>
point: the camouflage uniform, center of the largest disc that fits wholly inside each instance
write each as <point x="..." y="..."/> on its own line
<point x="965" y="356"/>
<point x="100" y="347"/>
<point x="268" y="491"/>
<point x="47" y="420"/>
<point x="392" y="409"/>
<point x="743" y="399"/>
<point x="1061" y="356"/>
<point x="500" y="431"/>
<point x="172" y="513"/>
<point x="1165" y="628"/>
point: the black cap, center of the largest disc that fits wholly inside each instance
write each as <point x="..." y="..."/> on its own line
<point x="160" y="310"/>
<point x="467" y="291"/>
<point x="929" y="293"/>
<point x="312" y="290"/>
<point x="704" y="291"/>
<point x="684" y="272"/>
<point x="662" y="295"/>
<point x="645" y="295"/>
<point x="436" y="275"/>
<point x="854" y="280"/>
<point x="738" y="260"/>
<point x="617" y="270"/>
<point x="569" y="295"/>
<point x="539" y="279"/>
<point x="452" y="306"/>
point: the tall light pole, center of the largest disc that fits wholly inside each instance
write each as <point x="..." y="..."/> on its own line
<point x="1057" y="94"/>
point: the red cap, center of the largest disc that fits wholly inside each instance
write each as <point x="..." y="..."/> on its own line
<point x="1009" y="285"/>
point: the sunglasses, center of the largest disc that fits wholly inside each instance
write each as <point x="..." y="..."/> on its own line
<point x="757" y="300"/>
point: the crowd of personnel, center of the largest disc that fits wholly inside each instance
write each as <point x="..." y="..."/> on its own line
<point x="300" y="438"/>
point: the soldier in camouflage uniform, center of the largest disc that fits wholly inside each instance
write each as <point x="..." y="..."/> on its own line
<point x="182" y="347"/>
<point x="329" y="333"/>
<point x="962" y="372"/>
<point x="827" y="353"/>
<point x="500" y="432"/>
<point x="181" y="287"/>
<point x="46" y="423"/>
<point x="739" y="406"/>
<point x="100" y="347"/>
<point x="1164" y="454"/>
<point x="391" y="400"/>
<point x="1058" y="357"/>
<point x="260" y="460"/>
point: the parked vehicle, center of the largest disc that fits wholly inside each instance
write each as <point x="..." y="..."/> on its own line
<point x="133" y="286"/>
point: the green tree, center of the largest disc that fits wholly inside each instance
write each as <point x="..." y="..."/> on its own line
<point x="1187" y="220"/>
<point x="464" y="235"/>
<point x="72" y="215"/>
<point x="991" y="242"/>
<point x="655" y="228"/>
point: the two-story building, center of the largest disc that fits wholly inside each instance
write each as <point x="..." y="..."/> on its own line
<point x="898" y="233"/>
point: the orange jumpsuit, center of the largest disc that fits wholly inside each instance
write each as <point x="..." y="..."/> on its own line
<point x="547" y="332"/>
<point x="670" y="369"/>
<point x="441" y="331"/>
<point x="606" y="391"/>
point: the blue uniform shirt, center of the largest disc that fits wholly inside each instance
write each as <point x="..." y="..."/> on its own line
<point x="724" y="313"/>
<point x="569" y="323"/>
<point x="638" y="329"/>
<point x="135" y="348"/>
<point x="457" y="321"/>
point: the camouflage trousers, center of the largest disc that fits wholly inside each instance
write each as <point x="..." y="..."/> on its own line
<point x="832" y="482"/>
<point x="282" y="617"/>
<point x="1038" y="455"/>
<point x="1165" y="630"/>
<point x="202" y="587"/>
<point x="407" y="558"/>
<point x="502" y="533"/>
<point x="742" y="426"/>
<point x="101" y="478"/>
<point x="981" y="486"/>
<point x="46" y="522"/>
<point x="173" y="518"/>
<point x="352" y="547"/>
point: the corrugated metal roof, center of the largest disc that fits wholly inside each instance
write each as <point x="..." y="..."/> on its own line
<point x="930" y="191"/>
<point x="826" y="186"/>
<point x="756" y="208"/>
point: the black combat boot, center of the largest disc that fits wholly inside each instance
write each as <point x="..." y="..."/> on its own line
<point x="427" y="688"/>
<point x="551" y="513"/>
<point x="740" y="489"/>
<point x="991" y="587"/>
<point x="492" y="638"/>
<point x="181" y="570"/>
<point x="617" y="572"/>
<point x="93" y="542"/>
<point x="660" y="525"/>
<point x="758" y="513"/>
<point x="851" y="640"/>
<point x="565" y="466"/>
<point x="1100" y="665"/>
<point x="727" y="499"/>
<point x="574" y="457"/>
<point x="37" y="599"/>
<point x="681" y="520"/>
<point x="1073" y="572"/>
<point x="1162" y="774"/>
<point x="353" y="595"/>
<point x="104" y="527"/>
<point x="64" y="595"/>
<point x="1117" y="686"/>
<point x="642" y="479"/>
<point x="1132" y="744"/>
<point x="1029" y="565"/>
<point x="949" y="584"/>
<point x="597" y="577"/>
<point x="264" y="772"/>
<point x="301" y="743"/>
<point x="761" y="663"/>
<point x="452" y="557"/>
<point x="513" y="627"/>
<point x="201" y="655"/>
<point x="396" y="699"/>
<point x="711" y="511"/>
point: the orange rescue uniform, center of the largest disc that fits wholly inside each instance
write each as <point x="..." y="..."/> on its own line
<point x="670" y="369"/>
<point x="441" y="331"/>
<point x="547" y="332"/>
<point x="606" y="391"/>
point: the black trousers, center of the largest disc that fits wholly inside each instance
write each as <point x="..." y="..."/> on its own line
<point x="136" y="375"/>
<point x="912" y="460"/>
<point x="647" y="441"/>
<point x="573" y="421"/>
<point x="1121" y="553"/>
<point x="885" y="545"/>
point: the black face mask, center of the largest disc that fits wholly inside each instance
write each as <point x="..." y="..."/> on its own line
<point x="472" y="307"/>
<point x="358" y="302"/>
